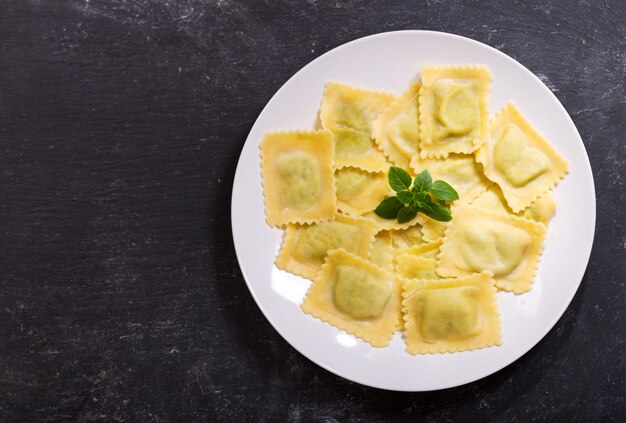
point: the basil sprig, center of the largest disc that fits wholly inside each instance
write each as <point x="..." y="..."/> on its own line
<point x="408" y="201"/>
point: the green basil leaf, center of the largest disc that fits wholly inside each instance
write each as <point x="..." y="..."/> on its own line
<point x="405" y="196"/>
<point x="436" y="211"/>
<point x="420" y="197"/>
<point x="423" y="182"/>
<point x="406" y="215"/>
<point x="443" y="191"/>
<point x="399" y="179"/>
<point x="389" y="208"/>
<point x="411" y="200"/>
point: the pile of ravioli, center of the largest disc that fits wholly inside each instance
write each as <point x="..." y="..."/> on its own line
<point x="436" y="281"/>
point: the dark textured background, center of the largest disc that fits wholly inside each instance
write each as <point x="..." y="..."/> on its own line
<point x="120" y="127"/>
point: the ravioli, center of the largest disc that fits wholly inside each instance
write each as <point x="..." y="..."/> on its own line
<point x="493" y="200"/>
<point x="433" y="230"/>
<point x="415" y="267"/>
<point x="392" y="224"/>
<point x="349" y="112"/>
<point x="434" y="280"/>
<point x="298" y="180"/>
<point x="452" y="315"/>
<point x="359" y="191"/>
<point x="463" y="173"/>
<point x="428" y="250"/>
<point x="305" y="246"/>
<point x="396" y="130"/>
<point x="453" y="109"/>
<point x="541" y="210"/>
<point x="356" y="296"/>
<point x="382" y="251"/>
<point x="519" y="159"/>
<point x="406" y="238"/>
<point x="479" y="240"/>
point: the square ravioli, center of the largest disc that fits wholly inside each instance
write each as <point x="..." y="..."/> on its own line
<point x="541" y="210"/>
<point x="451" y="315"/>
<point x="305" y="246"/>
<point x="356" y="296"/>
<point x="453" y="109"/>
<point x="433" y="230"/>
<point x="428" y="249"/>
<point x="459" y="170"/>
<point x="298" y="177"/>
<point x="349" y="112"/>
<point x="359" y="191"/>
<point x="519" y="159"/>
<point x="396" y="130"/>
<point x="382" y="251"/>
<point x="415" y="267"/>
<point x="507" y="246"/>
<point x="407" y="238"/>
<point x="383" y="224"/>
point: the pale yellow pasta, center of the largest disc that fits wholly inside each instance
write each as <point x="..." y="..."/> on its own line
<point x="519" y="159"/>
<point x="356" y="296"/>
<point x="383" y="224"/>
<point x="382" y="251"/>
<point x="453" y="109"/>
<point x="406" y="238"/>
<point x="298" y="180"/>
<point x="461" y="171"/>
<point x="360" y="191"/>
<point x="429" y="250"/>
<point x="479" y="240"/>
<point x="493" y="200"/>
<point x="433" y="230"/>
<point x="349" y="112"/>
<point x="541" y="210"/>
<point x="305" y="246"/>
<point x="415" y="267"/>
<point x="435" y="280"/>
<point x="451" y="315"/>
<point x="396" y="130"/>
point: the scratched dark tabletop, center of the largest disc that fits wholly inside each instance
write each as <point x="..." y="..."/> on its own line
<point x="121" y="123"/>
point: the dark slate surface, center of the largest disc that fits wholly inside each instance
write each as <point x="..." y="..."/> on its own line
<point x="121" y="122"/>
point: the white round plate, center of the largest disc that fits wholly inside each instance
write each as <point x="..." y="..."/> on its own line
<point x="391" y="61"/>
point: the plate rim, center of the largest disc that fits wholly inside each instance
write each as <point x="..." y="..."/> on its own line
<point x="587" y="168"/>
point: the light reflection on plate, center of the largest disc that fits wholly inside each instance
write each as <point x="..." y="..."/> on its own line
<point x="290" y="287"/>
<point x="346" y="340"/>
